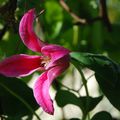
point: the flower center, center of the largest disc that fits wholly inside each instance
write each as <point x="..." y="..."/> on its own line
<point x="45" y="61"/>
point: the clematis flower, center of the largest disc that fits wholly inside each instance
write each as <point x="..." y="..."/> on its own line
<point x="53" y="61"/>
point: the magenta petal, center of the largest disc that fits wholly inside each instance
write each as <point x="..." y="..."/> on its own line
<point x="40" y="93"/>
<point x="27" y="33"/>
<point x="19" y="65"/>
<point x="41" y="88"/>
<point x="57" y="54"/>
<point x="54" y="51"/>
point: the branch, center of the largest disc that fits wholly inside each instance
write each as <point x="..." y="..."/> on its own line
<point x="90" y="21"/>
<point x="78" y="20"/>
<point x="74" y="16"/>
<point x="103" y="13"/>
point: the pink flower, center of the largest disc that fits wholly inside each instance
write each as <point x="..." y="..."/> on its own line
<point x="54" y="61"/>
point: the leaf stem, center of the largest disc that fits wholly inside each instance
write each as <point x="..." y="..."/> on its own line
<point x="84" y="81"/>
<point x="86" y="89"/>
<point x="85" y="85"/>
<point x="20" y="99"/>
<point x="82" y="75"/>
<point x="68" y="87"/>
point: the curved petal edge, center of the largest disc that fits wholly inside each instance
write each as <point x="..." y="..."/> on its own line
<point x="27" y="33"/>
<point x="19" y="65"/>
<point x="41" y="88"/>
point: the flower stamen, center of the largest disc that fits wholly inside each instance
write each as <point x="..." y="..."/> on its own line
<point x="45" y="61"/>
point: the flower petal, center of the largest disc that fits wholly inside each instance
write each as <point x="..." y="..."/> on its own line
<point x="20" y="65"/>
<point x="58" y="54"/>
<point x="54" y="51"/>
<point x="41" y="88"/>
<point x="27" y="33"/>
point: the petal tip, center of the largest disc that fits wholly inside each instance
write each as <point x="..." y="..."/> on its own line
<point x="27" y="33"/>
<point x="31" y="11"/>
<point x="51" y="112"/>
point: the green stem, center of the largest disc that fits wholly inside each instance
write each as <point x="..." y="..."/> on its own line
<point x="20" y="99"/>
<point x="82" y="75"/>
<point x="84" y="117"/>
<point x="86" y="89"/>
<point x="68" y="87"/>
<point x="85" y="85"/>
<point x="88" y="116"/>
<point x="84" y="81"/>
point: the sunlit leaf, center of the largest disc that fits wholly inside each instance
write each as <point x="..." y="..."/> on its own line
<point x="100" y="64"/>
<point x="107" y="74"/>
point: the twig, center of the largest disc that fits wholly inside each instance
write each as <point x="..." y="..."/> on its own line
<point x="86" y="82"/>
<point x="75" y="17"/>
<point x="41" y="12"/>
<point x="102" y="15"/>
<point x="78" y="20"/>
<point x="67" y="87"/>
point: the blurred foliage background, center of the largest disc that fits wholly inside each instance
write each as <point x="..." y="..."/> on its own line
<point x="56" y="25"/>
<point x="80" y="25"/>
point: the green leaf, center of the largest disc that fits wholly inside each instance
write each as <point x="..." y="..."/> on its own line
<point x="85" y="103"/>
<point x="69" y="98"/>
<point x="102" y="116"/>
<point x="113" y="94"/>
<point x="100" y="64"/>
<point x="16" y="98"/>
<point x="53" y="17"/>
<point x="107" y="74"/>
<point x="53" y="13"/>
<point x="90" y="103"/>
